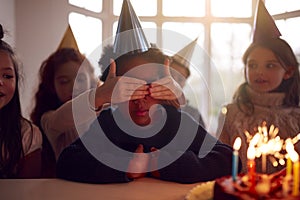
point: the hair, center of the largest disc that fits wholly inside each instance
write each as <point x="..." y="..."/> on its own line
<point x="11" y="122"/>
<point x="153" y="55"/>
<point x="186" y="68"/>
<point x="290" y="87"/>
<point x="46" y="97"/>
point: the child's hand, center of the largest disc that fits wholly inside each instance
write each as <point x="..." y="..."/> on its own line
<point x="117" y="89"/>
<point x="166" y="88"/>
<point x="138" y="165"/>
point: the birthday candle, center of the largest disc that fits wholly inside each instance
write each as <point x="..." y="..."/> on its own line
<point x="235" y="157"/>
<point x="288" y="167"/>
<point x="296" y="178"/>
<point x="289" y="148"/>
<point x="295" y="158"/>
<point x="264" y="150"/>
<point x="251" y="166"/>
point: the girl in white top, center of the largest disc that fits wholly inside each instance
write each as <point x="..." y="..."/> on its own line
<point x="66" y="79"/>
<point x="20" y="140"/>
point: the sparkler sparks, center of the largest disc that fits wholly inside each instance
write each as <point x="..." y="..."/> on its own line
<point x="268" y="144"/>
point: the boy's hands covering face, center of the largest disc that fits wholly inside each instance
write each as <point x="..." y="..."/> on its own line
<point x="166" y="88"/>
<point x="118" y="89"/>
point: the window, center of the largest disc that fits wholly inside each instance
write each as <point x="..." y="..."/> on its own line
<point x="81" y="25"/>
<point x="228" y="43"/>
<point x="188" y="30"/>
<point x="92" y="5"/>
<point x="223" y="28"/>
<point x="231" y="8"/>
<point x="292" y="37"/>
<point x="277" y="6"/>
<point x="142" y="8"/>
<point x="88" y="41"/>
<point x="186" y="8"/>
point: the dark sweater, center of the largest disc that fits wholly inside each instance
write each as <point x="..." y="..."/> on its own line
<point x="188" y="153"/>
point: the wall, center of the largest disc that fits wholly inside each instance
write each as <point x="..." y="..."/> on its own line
<point x="7" y="19"/>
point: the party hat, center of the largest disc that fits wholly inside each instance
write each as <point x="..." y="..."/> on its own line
<point x="129" y="36"/>
<point x="185" y="54"/>
<point x="68" y="40"/>
<point x="264" y="25"/>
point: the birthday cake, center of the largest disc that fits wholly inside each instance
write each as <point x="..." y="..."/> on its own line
<point x="275" y="186"/>
<point x="267" y="187"/>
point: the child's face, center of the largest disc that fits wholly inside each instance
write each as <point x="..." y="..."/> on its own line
<point x="264" y="73"/>
<point x="7" y="79"/>
<point x="68" y="77"/>
<point x="139" y="109"/>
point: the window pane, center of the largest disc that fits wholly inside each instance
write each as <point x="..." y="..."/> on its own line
<point x="231" y="8"/>
<point x="87" y="31"/>
<point x="176" y="36"/>
<point x="148" y="27"/>
<point x="189" y="30"/>
<point x="276" y="6"/>
<point x="229" y="41"/>
<point x="187" y="8"/>
<point x="141" y="7"/>
<point x="92" y="5"/>
<point x="290" y="31"/>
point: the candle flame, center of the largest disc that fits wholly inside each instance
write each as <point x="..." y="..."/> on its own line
<point x="237" y="144"/>
<point x="251" y="152"/>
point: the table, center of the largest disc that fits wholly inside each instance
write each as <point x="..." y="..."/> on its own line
<point x="56" y="189"/>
